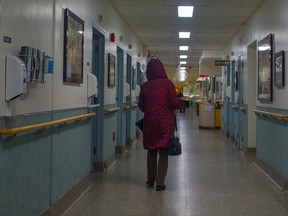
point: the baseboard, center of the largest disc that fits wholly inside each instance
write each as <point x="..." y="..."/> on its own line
<point x="103" y="166"/>
<point x="276" y="177"/>
<point x="62" y="204"/>
<point x="249" y="153"/>
<point x="131" y="142"/>
<point x="120" y="149"/>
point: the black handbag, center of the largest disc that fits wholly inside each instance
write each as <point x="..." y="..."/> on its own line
<point x="140" y="124"/>
<point x="175" y="147"/>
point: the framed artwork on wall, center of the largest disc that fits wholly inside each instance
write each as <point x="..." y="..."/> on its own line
<point x="265" y="69"/>
<point x="111" y="70"/>
<point x="73" y="48"/>
<point x="280" y="69"/>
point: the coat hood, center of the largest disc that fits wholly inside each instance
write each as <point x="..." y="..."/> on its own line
<point x="155" y="70"/>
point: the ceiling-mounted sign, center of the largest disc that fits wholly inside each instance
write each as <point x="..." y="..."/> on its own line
<point x="222" y="62"/>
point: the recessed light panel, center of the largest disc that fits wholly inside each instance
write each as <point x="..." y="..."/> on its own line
<point x="185" y="11"/>
<point x="183" y="56"/>
<point x="184" y="34"/>
<point x="183" y="47"/>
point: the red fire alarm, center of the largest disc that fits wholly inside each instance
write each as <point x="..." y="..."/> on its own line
<point x="112" y="37"/>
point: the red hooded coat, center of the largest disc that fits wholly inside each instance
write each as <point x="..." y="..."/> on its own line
<point x="157" y="100"/>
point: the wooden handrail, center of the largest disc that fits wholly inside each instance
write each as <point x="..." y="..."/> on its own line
<point x="111" y="110"/>
<point x="243" y="109"/>
<point x="12" y="131"/>
<point x="271" y="114"/>
<point x="125" y="107"/>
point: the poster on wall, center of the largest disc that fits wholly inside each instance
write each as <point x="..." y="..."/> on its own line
<point x="265" y="69"/>
<point x="111" y="70"/>
<point x="73" y="48"/>
<point x="280" y="69"/>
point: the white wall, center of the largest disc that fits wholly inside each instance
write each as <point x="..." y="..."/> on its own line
<point x="28" y="23"/>
<point x="35" y="23"/>
<point x="271" y="17"/>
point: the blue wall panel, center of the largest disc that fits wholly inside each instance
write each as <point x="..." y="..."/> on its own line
<point x="37" y="168"/>
<point x="25" y="170"/>
<point x="110" y="127"/>
<point x="71" y="154"/>
<point x="272" y="145"/>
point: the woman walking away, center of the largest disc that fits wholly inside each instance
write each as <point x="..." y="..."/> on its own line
<point x="157" y="100"/>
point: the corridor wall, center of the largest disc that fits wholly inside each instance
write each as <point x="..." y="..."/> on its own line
<point x="270" y="143"/>
<point x="37" y="169"/>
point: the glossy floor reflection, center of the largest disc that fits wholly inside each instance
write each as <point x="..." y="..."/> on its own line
<point x="210" y="178"/>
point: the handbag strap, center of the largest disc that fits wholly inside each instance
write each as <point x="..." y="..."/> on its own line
<point x="175" y="120"/>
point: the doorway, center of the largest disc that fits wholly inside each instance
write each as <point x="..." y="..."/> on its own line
<point x="251" y="92"/>
<point x="120" y="148"/>
<point x="128" y="101"/>
<point x="98" y="47"/>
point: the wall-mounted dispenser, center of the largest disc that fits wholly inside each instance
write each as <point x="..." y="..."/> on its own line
<point x="126" y="89"/>
<point x="228" y="91"/>
<point x="34" y="60"/>
<point x="15" y="77"/>
<point x="137" y="90"/>
<point x="92" y="85"/>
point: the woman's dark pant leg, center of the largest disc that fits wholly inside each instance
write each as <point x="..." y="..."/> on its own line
<point x="162" y="167"/>
<point x="151" y="165"/>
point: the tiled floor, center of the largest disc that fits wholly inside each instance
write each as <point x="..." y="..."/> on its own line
<point x="210" y="178"/>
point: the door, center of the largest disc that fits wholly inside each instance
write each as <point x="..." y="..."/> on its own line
<point x="120" y="60"/>
<point x="98" y="121"/>
<point x="242" y="138"/>
<point x="128" y="101"/>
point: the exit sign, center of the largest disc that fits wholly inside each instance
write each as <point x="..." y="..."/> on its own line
<point x="222" y="62"/>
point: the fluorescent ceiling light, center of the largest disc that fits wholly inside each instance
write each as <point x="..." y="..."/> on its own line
<point x="184" y="34"/>
<point x="185" y="11"/>
<point x="183" y="56"/>
<point x="182" y="68"/>
<point x="183" y="47"/>
<point x="183" y="62"/>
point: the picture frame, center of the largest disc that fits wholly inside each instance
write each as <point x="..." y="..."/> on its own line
<point x="111" y="70"/>
<point x="73" y="48"/>
<point x="280" y="69"/>
<point x="265" y="69"/>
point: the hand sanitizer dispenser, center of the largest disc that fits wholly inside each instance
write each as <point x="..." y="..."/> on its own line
<point x="126" y="89"/>
<point x="92" y="85"/>
<point x="137" y="90"/>
<point x="15" y="77"/>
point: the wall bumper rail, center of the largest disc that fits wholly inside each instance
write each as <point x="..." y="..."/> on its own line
<point x="111" y="110"/>
<point x="44" y="125"/>
<point x="271" y="114"/>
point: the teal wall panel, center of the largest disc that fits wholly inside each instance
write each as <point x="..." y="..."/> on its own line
<point x="25" y="169"/>
<point x="271" y="136"/>
<point x="243" y="129"/>
<point x="133" y="120"/>
<point x="124" y="125"/>
<point x="37" y="168"/>
<point x="71" y="154"/>
<point x="110" y="127"/>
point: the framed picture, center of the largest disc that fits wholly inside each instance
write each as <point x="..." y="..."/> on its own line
<point x="73" y="48"/>
<point x="280" y="69"/>
<point x="111" y="70"/>
<point x="265" y="69"/>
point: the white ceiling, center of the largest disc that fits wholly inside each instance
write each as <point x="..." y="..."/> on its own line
<point x="156" y="24"/>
